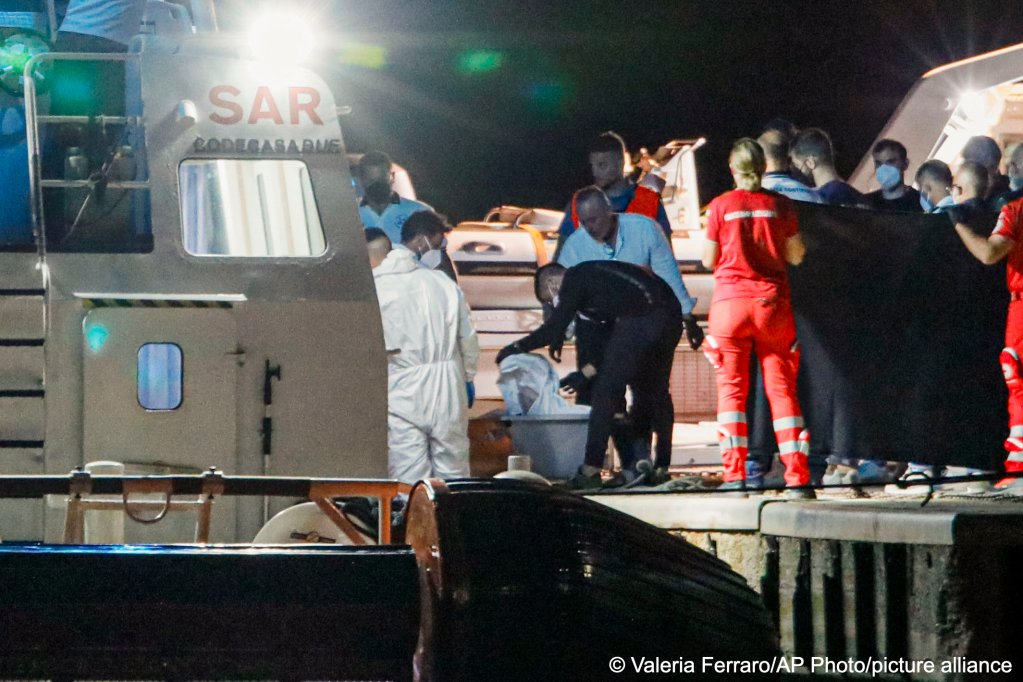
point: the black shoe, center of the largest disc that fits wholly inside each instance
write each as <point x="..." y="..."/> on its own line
<point x="583" y="482"/>
<point x="620" y="479"/>
<point x="799" y="494"/>
<point x="362" y="513"/>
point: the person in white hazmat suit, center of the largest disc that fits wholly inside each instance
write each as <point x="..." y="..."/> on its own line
<point x="432" y="351"/>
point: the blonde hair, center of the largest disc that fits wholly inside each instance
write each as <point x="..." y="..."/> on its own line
<point x="747" y="164"/>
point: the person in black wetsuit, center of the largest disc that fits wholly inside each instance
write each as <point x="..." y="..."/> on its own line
<point x="647" y="325"/>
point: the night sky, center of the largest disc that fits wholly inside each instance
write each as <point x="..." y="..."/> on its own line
<point x="494" y="102"/>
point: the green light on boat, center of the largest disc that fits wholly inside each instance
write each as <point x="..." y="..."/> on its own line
<point x="96" y="337"/>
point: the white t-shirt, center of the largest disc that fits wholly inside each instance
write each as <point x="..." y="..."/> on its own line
<point x="116" y="20"/>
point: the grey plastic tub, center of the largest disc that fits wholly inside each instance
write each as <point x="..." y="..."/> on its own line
<point x="557" y="443"/>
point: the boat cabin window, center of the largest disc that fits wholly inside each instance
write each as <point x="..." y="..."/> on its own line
<point x="255" y="208"/>
<point x="160" y="376"/>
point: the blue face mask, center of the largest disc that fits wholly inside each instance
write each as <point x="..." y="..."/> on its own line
<point x="888" y="176"/>
<point x="925" y="203"/>
<point x="1015" y="184"/>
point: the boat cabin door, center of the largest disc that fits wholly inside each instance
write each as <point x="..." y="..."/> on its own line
<point x="159" y="391"/>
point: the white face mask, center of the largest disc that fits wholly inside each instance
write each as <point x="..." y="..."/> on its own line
<point x="431" y="258"/>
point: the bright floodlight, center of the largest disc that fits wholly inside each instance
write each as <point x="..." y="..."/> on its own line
<point x="974" y="105"/>
<point x="282" y="38"/>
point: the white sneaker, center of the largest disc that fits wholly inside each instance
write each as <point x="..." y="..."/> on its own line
<point x="919" y="485"/>
<point x="840" y="474"/>
<point x="968" y="487"/>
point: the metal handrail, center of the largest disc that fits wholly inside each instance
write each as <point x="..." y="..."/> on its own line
<point x="101" y="119"/>
<point x="80" y="184"/>
<point x="207" y="485"/>
<point x="31" y="486"/>
<point x="32" y="118"/>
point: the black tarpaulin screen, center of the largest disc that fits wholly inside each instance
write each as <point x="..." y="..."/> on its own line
<point x="900" y="331"/>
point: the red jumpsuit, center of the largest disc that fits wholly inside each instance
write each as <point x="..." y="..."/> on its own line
<point x="1010" y="226"/>
<point x="751" y="309"/>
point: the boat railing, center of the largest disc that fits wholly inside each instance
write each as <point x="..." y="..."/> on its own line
<point x="33" y="118"/>
<point x="87" y="492"/>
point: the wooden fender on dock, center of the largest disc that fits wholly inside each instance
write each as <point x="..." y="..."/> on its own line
<point x="520" y="580"/>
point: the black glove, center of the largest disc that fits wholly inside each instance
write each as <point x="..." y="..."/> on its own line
<point x="554" y="350"/>
<point x="961" y="213"/>
<point x="575" y="381"/>
<point x="508" y="351"/>
<point x="693" y="331"/>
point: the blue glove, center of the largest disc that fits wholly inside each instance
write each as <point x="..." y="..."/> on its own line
<point x="470" y="391"/>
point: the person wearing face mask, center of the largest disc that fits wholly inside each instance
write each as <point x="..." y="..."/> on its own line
<point x="432" y="352"/>
<point x="813" y="162"/>
<point x="1015" y="179"/>
<point x="934" y="178"/>
<point x="423" y="235"/>
<point x="890" y="164"/>
<point x="381" y="206"/>
<point x="646" y="323"/>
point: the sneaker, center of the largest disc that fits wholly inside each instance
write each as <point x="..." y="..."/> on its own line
<point x="968" y="487"/>
<point x="640" y="474"/>
<point x="733" y="489"/>
<point x="870" y="471"/>
<point x="622" y="478"/>
<point x="583" y="481"/>
<point x="840" y="474"/>
<point x="650" y="475"/>
<point x="912" y="482"/>
<point x="754" y="475"/>
<point x="796" y="494"/>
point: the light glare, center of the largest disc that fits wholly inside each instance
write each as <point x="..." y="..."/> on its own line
<point x="284" y="38"/>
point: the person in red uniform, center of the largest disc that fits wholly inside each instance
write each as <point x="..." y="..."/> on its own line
<point x="751" y="235"/>
<point x="1003" y="242"/>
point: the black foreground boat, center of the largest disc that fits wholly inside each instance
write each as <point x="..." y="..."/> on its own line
<point x="515" y="581"/>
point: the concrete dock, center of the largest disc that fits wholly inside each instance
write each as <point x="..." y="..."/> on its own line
<point x="868" y="578"/>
